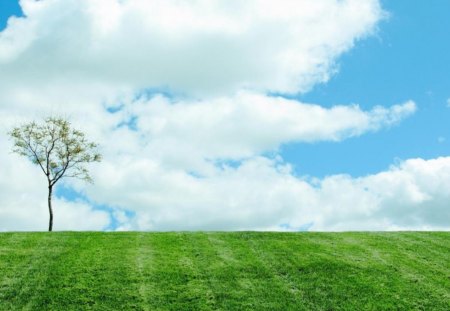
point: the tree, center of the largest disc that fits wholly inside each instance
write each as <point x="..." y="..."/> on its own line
<point x="58" y="149"/>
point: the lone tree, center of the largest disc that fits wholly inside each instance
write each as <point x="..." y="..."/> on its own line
<point x="59" y="150"/>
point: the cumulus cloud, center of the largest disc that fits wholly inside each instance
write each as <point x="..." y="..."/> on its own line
<point x="197" y="158"/>
<point x="194" y="47"/>
<point x="165" y="158"/>
<point x="247" y="124"/>
<point x="411" y="195"/>
<point x="264" y="194"/>
<point x="259" y="193"/>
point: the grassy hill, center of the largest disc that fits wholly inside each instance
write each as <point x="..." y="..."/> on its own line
<point x="225" y="271"/>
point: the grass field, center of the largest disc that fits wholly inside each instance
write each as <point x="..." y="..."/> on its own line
<point x="225" y="271"/>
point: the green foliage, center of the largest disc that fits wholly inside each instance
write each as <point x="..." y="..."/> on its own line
<point x="59" y="150"/>
<point x="225" y="271"/>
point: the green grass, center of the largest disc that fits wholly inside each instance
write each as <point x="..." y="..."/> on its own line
<point x="225" y="271"/>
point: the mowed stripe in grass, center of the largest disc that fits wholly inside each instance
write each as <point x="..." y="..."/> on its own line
<point x="225" y="271"/>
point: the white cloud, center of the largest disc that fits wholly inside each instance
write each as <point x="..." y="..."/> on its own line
<point x="412" y="195"/>
<point x="170" y="170"/>
<point x="247" y="124"/>
<point x="191" y="46"/>
<point x="30" y="213"/>
<point x="150" y="168"/>
<point x="258" y="194"/>
<point x="193" y="134"/>
<point x="264" y="194"/>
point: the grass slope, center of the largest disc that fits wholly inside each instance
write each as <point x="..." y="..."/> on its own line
<point x="225" y="271"/>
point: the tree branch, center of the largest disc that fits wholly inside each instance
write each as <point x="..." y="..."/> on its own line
<point x="36" y="157"/>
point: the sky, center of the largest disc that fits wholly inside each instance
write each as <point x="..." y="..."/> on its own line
<point x="318" y="115"/>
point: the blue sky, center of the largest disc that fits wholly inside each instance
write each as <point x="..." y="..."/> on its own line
<point x="409" y="58"/>
<point x="403" y="56"/>
<point x="7" y="9"/>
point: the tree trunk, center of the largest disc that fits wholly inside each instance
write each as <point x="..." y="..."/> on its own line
<point x="50" y="210"/>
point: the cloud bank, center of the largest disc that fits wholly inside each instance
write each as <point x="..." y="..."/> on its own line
<point x="193" y="47"/>
<point x="188" y="100"/>
<point x="264" y="194"/>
